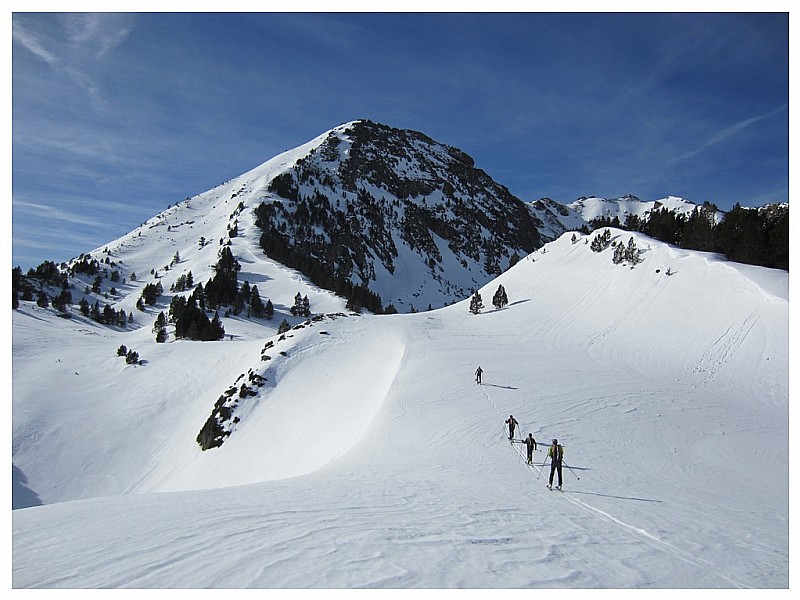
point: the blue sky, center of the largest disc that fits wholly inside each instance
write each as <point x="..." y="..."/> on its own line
<point x="117" y="116"/>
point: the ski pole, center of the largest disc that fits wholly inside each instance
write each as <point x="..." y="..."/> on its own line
<point x="542" y="469"/>
<point x="571" y="471"/>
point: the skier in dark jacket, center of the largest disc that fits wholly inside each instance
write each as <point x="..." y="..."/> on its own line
<point x="556" y="455"/>
<point x="512" y="424"/>
<point x="530" y="443"/>
<point x="478" y="373"/>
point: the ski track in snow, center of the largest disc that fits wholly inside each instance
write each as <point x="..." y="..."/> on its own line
<point x="639" y="532"/>
<point x="724" y="348"/>
<point x="627" y="312"/>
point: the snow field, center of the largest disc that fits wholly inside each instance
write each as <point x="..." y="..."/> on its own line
<point x="373" y="459"/>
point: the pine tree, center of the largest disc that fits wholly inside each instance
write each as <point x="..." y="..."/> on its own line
<point x="601" y="241"/>
<point x="243" y="299"/>
<point x="256" y="305"/>
<point x="109" y="315"/>
<point x="302" y="306"/>
<point x="296" y="307"/>
<point x="632" y="254"/>
<point x="160" y="328"/>
<point x="283" y="327"/>
<point x="150" y="293"/>
<point x="476" y="303"/>
<point x="500" y="298"/>
<point x="619" y="254"/>
<point x="699" y="228"/>
<point x="63" y="300"/>
<point x="216" y="331"/>
<point x="222" y="288"/>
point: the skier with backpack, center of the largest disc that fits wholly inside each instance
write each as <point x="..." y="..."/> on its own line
<point x="512" y="424"/>
<point x="530" y="443"/>
<point x="478" y="374"/>
<point x="556" y="455"/>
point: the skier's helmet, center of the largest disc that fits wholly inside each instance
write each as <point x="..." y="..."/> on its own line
<point x="555" y="441"/>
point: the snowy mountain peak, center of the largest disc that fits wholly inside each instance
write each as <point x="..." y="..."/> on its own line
<point x="378" y="215"/>
<point x="395" y="214"/>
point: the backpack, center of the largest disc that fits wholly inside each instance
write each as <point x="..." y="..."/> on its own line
<point x="558" y="454"/>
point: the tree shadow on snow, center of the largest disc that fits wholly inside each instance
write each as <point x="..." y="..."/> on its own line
<point x="518" y="302"/>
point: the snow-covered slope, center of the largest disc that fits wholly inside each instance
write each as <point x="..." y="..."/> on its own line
<point x="148" y="251"/>
<point x="371" y="459"/>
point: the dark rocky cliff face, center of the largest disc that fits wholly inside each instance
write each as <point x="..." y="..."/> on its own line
<point x="372" y="195"/>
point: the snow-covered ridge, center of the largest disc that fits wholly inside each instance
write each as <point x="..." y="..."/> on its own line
<point x="593" y="208"/>
<point x="558" y="218"/>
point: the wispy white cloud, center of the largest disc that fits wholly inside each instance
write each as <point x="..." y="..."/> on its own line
<point x="33" y="43"/>
<point x="96" y="33"/>
<point x="74" y="44"/>
<point x="726" y="133"/>
<point x="53" y="213"/>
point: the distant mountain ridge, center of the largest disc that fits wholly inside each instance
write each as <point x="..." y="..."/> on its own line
<point x="592" y="207"/>
<point x="559" y="218"/>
